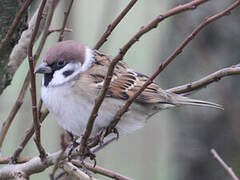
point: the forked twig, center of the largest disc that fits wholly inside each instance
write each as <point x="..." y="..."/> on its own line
<point x="214" y="77"/>
<point x="224" y="165"/>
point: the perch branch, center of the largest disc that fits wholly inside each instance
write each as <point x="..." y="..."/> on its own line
<point x="75" y="171"/>
<point x="214" y="77"/>
<point x="100" y="170"/>
<point x="112" y="26"/>
<point x="123" y="51"/>
<point x="164" y="64"/>
<point x="224" y="165"/>
<point x="36" y="165"/>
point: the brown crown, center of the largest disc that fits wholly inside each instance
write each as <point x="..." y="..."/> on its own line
<point x="67" y="50"/>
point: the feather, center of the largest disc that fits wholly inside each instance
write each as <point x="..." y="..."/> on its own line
<point x="126" y="82"/>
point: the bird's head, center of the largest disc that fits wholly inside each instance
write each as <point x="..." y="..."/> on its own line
<point x="63" y="62"/>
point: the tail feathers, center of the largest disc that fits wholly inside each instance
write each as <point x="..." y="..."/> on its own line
<point x="180" y="100"/>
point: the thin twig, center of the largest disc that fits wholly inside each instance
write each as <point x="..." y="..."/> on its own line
<point x="100" y="170"/>
<point x="112" y="26"/>
<point x="28" y="134"/>
<point x="164" y="64"/>
<point x="17" y="104"/>
<point x="33" y="84"/>
<point x="224" y="165"/>
<point x="66" y="14"/>
<point x="46" y="29"/>
<point x="15" y="23"/>
<point x="214" y="77"/>
<point x="14" y="111"/>
<point x="63" y="147"/>
<point x="59" y="30"/>
<point x="30" y="131"/>
<point x="123" y="51"/>
<point x="18" y="161"/>
<point x="101" y="146"/>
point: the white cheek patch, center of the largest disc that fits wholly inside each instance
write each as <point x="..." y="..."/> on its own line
<point x="59" y="78"/>
<point x="89" y="59"/>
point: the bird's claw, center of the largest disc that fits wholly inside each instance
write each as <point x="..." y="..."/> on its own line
<point x="73" y="146"/>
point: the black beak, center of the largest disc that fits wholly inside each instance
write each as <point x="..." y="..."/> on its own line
<point x="43" y="69"/>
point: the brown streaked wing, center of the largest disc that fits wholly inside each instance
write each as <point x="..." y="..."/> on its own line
<point x="126" y="82"/>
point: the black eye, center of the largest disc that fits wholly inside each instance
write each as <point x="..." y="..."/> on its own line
<point x="61" y="63"/>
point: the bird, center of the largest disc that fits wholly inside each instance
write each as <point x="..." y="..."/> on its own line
<point x="73" y="75"/>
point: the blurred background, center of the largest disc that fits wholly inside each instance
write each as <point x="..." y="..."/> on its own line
<point x="175" y="144"/>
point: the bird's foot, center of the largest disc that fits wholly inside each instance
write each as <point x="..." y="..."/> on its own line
<point x="72" y="147"/>
<point x="91" y="155"/>
<point x="112" y="131"/>
<point x="101" y="135"/>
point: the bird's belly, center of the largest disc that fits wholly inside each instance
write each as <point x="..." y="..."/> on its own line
<point x="72" y="112"/>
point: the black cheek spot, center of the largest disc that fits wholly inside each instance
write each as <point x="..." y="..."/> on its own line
<point x="67" y="73"/>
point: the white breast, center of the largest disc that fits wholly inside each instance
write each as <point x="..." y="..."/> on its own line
<point x="72" y="110"/>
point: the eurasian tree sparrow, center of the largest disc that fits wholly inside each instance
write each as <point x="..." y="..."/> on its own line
<point x="73" y="77"/>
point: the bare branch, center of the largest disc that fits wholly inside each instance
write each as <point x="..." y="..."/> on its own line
<point x="123" y="51"/>
<point x="64" y="147"/>
<point x="112" y="26"/>
<point x="100" y="170"/>
<point x="76" y="172"/>
<point x="34" y="165"/>
<point x="214" y="77"/>
<point x="65" y="21"/>
<point x="14" y="111"/>
<point x="18" y="175"/>
<point x="37" y="125"/>
<point x="164" y="64"/>
<point x="59" y="30"/>
<point x="224" y="165"/>
<point x="15" y="23"/>
<point x="28" y="134"/>
<point x="19" y="52"/>
<point x="19" y="160"/>
<point x="20" y="48"/>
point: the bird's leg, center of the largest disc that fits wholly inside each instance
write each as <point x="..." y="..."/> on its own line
<point x="98" y="139"/>
<point x="113" y="130"/>
<point x="73" y="145"/>
<point x="91" y="155"/>
<point x="101" y="135"/>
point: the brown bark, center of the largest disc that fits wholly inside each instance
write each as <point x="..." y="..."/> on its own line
<point x="8" y="11"/>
